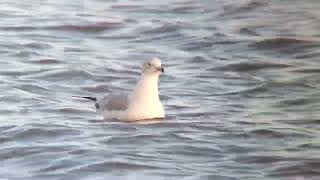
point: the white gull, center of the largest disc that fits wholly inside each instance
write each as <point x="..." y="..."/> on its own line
<point x="141" y="104"/>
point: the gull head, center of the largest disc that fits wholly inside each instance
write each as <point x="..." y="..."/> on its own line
<point x="153" y="67"/>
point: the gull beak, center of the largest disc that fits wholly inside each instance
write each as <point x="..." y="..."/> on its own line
<point x="160" y="69"/>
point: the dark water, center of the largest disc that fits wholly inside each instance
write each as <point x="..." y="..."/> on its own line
<point x="240" y="91"/>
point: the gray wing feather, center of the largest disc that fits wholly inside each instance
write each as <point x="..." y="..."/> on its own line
<point x="113" y="102"/>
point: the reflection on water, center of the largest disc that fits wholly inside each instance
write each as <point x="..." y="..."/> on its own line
<point x="240" y="90"/>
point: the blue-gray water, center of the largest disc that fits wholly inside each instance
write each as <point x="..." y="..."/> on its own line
<point x="240" y="89"/>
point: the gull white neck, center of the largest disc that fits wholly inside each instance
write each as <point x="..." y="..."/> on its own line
<point x="147" y="89"/>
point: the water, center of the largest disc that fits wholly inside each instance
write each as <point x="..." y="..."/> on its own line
<point x="240" y="89"/>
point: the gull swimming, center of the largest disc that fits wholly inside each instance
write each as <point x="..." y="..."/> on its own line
<point x="141" y="104"/>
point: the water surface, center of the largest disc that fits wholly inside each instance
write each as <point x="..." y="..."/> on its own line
<point x="240" y="89"/>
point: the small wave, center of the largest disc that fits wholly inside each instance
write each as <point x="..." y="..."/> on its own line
<point x="47" y="61"/>
<point x="148" y="121"/>
<point x="250" y="66"/>
<point x="309" y="145"/>
<point x="195" y="151"/>
<point x="195" y="43"/>
<point x="272" y="133"/>
<point x="307" y="55"/>
<point x="260" y="159"/>
<point x="282" y="84"/>
<point x="186" y="8"/>
<point x="32" y="133"/>
<point x="61" y="75"/>
<point x="251" y="91"/>
<point x="310" y="122"/>
<point x="95" y="27"/>
<point x="284" y="44"/>
<point x="174" y="37"/>
<point x="113" y="165"/>
<point x="16" y="152"/>
<point x="243" y="7"/>
<point x="302" y="101"/>
<point x="4" y="140"/>
<point x="61" y="165"/>
<point x="32" y="88"/>
<point x="137" y="139"/>
<point x="176" y="8"/>
<point x="213" y="176"/>
<point x="165" y="28"/>
<point x="117" y="37"/>
<point x="248" y="31"/>
<point x="306" y="168"/>
<point x="98" y="88"/>
<point x="24" y="54"/>
<point x="6" y="128"/>
<point x="199" y="60"/>
<point x="178" y="107"/>
<point x="126" y="6"/>
<point x="72" y="110"/>
<point x="20" y="73"/>
<point x="37" y="45"/>
<point x="19" y="28"/>
<point x="307" y="70"/>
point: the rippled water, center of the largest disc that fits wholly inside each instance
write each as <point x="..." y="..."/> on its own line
<point x="240" y="89"/>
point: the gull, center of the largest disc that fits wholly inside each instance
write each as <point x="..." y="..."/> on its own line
<point x="141" y="104"/>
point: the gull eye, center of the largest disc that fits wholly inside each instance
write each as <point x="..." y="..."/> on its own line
<point x="149" y="64"/>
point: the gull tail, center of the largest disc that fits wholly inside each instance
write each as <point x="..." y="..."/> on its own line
<point x="87" y="97"/>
